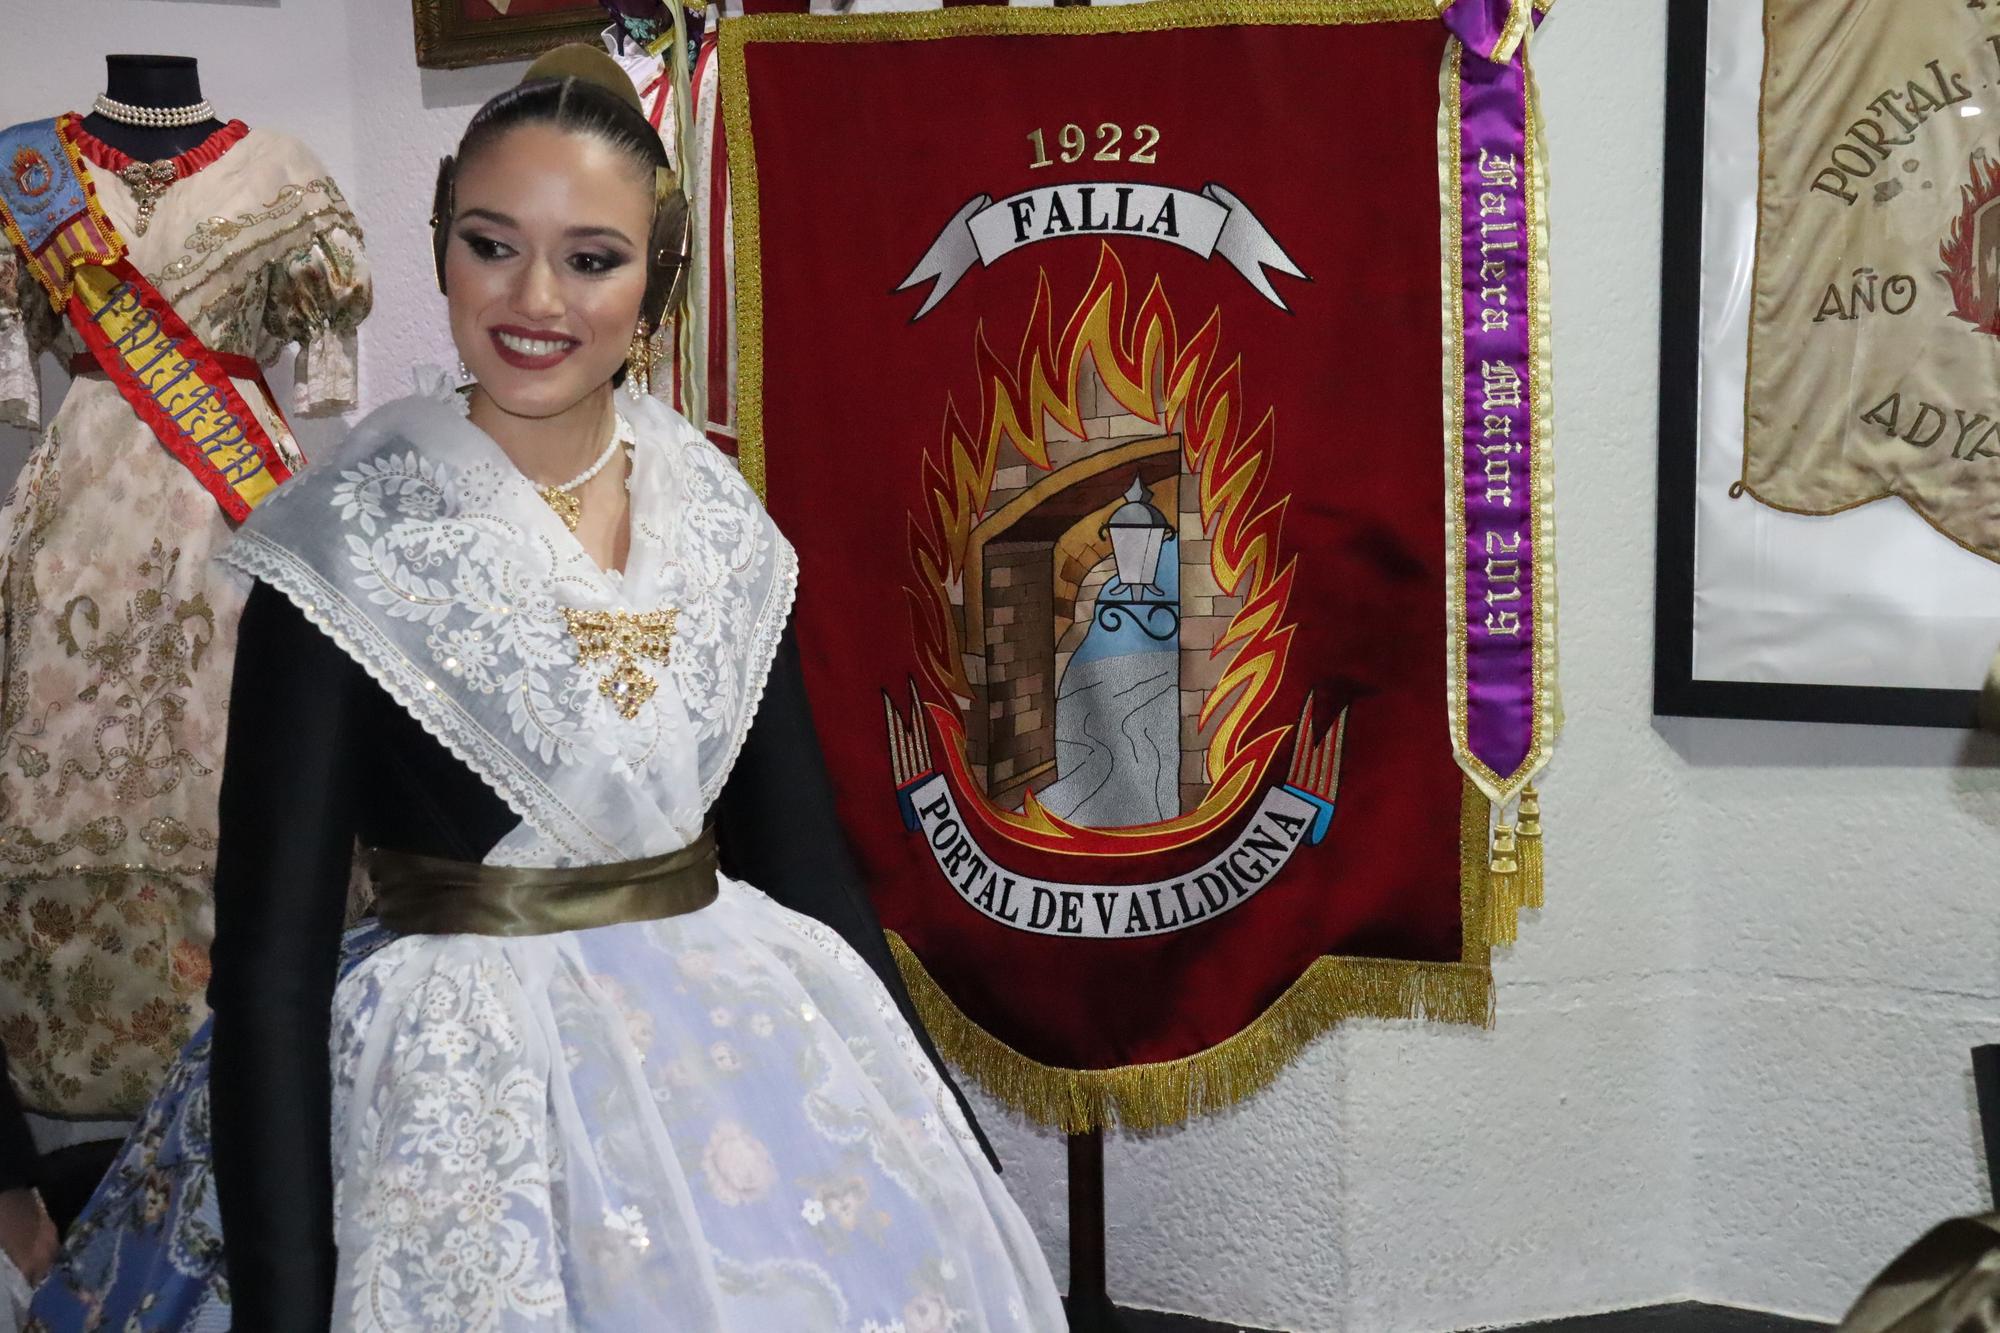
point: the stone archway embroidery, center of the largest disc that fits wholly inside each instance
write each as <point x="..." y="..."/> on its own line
<point x="1055" y="665"/>
<point x="1100" y="609"/>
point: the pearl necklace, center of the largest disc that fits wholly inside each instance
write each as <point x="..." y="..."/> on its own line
<point x="563" y="499"/>
<point x="154" y="117"/>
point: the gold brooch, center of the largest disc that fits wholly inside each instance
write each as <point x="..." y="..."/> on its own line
<point x="626" y="638"/>
<point x="148" y="181"/>
<point x="568" y="508"/>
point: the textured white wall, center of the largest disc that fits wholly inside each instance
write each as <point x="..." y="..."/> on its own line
<point x="1842" y="910"/>
<point x="1730" y="1055"/>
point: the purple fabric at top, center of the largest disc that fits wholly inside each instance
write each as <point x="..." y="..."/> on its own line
<point x="1483" y="25"/>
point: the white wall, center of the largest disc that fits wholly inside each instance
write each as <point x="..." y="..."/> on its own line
<point x="1730" y="1055"/>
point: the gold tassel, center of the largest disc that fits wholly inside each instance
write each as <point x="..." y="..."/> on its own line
<point x="1505" y="850"/>
<point x="1531" y="849"/>
<point x="1503" y="876"/>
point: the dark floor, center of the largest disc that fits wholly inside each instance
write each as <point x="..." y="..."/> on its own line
<point x="1688" y="1318"/>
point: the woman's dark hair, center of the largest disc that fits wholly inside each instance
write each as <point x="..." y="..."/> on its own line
<point x="582" y="105"/>
<point x="573" y="104"/>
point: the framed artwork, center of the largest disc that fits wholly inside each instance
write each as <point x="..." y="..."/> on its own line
<point x="1829" y="503"/>
<point x="454" y="33"/>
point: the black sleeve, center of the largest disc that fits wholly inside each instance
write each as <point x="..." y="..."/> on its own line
<point x="17" y="1146"/>
<point x="777" y="829"/>
<point x="287" y="835"/>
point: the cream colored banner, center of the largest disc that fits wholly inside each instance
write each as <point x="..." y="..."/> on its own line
<point x="1875" y="317"/>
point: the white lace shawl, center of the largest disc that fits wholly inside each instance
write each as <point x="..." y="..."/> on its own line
<point x="427" y="556"/>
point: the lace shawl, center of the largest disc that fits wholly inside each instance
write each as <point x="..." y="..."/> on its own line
<point x="426" y="555"/>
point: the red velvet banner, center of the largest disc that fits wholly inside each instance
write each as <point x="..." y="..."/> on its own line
<point x="1091" y="358"/>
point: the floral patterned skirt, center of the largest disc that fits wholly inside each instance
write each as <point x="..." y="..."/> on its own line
<point x="713" y="1122"/>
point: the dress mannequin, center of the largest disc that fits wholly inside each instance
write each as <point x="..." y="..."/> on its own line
<point x="155" y="81"/>
<point x="67" y="1176"/>
<point x="268" y="291"/>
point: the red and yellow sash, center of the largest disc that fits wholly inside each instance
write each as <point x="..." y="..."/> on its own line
<point x="178" y="387"/>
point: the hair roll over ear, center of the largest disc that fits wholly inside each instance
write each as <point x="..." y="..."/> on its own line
<point x="444" y="204"/>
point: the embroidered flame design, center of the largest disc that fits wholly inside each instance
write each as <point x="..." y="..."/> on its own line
<point x="1139" y="355"/>
<point x="1975" y="295"/>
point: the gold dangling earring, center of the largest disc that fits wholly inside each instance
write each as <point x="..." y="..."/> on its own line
<point x="639" y="362"/>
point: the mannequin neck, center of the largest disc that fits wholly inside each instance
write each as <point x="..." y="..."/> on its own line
<point x="159" y="81"/>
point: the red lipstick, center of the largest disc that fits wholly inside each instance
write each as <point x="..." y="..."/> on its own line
<point x="521" y="359"/>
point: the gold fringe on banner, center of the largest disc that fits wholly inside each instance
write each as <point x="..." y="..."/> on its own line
<point x="1157" y="1096"/>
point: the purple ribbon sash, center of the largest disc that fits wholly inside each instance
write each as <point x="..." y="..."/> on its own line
<point x="1498" y="716"/>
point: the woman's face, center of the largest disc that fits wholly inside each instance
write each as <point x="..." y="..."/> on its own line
<point x="546" y="266"/>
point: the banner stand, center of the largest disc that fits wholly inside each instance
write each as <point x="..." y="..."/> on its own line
<point x="1089" y="1304"/>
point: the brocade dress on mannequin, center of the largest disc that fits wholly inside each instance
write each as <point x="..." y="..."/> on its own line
<point x="714" y="1119"/>
<point x="119" y="633"/>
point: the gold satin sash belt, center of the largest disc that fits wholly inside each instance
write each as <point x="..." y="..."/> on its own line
<point x="429" y="895"/>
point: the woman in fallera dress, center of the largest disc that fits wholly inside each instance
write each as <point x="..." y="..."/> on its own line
<point x="526" y="649"/>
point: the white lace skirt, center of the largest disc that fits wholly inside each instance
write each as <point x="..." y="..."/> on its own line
<point x="714" y="1122"/>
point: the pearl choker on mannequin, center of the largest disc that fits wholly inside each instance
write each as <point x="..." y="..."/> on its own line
<point x="154" y="117"/>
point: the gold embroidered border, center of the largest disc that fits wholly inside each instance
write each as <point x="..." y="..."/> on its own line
<point x="214" y="234"/>
<point x="1548" y="697"/>
<point x="1541" y="459"/>
<point x="1451" y="296"/>
<point x="207" y="270"/>
<point x="734" y="34"/>
<point x="199" y="871"/>
<point x="1009" y="20"/>
<point x="1161" y="1095"/>
<point x="746" y="221"/>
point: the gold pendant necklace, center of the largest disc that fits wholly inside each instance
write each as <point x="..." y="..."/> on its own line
<point x="564" y="498"/>
<point x="568" y="508"/>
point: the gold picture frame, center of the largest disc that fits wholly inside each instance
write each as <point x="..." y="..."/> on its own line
<point x="452" y="34"/>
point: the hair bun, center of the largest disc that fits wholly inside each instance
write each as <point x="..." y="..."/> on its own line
<point x="591" y="64"/>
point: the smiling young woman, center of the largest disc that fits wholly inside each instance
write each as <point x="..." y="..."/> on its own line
<point x="529" y="650"/>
